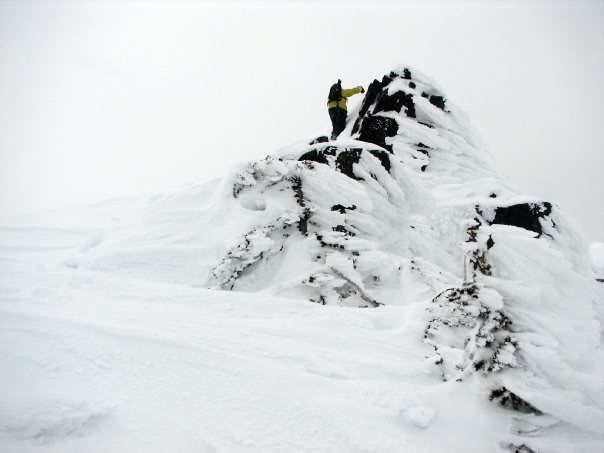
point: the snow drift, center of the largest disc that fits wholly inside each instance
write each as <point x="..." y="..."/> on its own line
<point x="432" y="299"/>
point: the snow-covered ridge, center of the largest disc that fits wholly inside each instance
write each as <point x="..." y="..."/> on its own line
<point x="406" y="208"/>
<point x="389" y="275"/>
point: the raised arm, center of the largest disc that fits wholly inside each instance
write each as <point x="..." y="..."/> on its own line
<point x="351" y="91"/>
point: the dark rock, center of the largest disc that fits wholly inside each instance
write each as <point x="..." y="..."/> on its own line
<point x="490" y="243"/>
<point x="525" y="215"/>
<point x="321" y="139"/>
<point x="394" y="103"/>
<point x="376" y="95"/>
<point x="299" y="196"/>
<point x="346" y="160"/>
<point x="343" y="229"/>
<point x="342" y="209"/>
<point x="510" y="400"/>
<point x="327" y="244"/>
<point x="304" y="220"/>
<point x="493" y="195"/>
<point x="375" y="129"/>
<point x="426" y="124"/>
<point x="515" y="448"/>
<point x="383" y="157"/>
<point x="319" y="155"/>
<point x="425" y="95"/>
<point x="373" y="90"/>
<point x="410" y="105"/>
<point x="297" y="188"/>
<point x="386" y="103"/>
<point x="438" y="101"/>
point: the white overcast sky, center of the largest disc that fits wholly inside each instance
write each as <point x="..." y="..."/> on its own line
<point x="105" y="99"/>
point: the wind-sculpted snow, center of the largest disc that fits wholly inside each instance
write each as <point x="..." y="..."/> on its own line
<point x="345" y="200"/>
<point x="385" y="291"/>
<point x="472" y="317"/>
<point x="406" y="208"/>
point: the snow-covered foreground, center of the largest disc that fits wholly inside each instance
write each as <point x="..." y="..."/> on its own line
<point x="116" y="359"/>
<point x="97" y="362"/>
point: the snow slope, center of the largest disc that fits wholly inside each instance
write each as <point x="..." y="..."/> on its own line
<point x="452" y="312"/>
<point x="596" y="251"/>
<point x="101" y="363"/>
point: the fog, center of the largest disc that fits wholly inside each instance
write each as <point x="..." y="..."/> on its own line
<point x="101" y="100"/>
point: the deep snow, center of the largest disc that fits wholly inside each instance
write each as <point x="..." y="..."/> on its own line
<point x="183" y="321"/>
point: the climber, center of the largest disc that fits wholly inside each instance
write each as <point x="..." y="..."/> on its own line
<point x="337" y="103"/>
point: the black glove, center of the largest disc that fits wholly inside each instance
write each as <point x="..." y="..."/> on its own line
<point x="362" y="90"/>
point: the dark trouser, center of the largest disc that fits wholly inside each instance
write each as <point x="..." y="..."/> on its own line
<point x="338" y="121"/>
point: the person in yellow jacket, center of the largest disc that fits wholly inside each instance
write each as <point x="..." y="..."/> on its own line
<point x="337" y="104"/>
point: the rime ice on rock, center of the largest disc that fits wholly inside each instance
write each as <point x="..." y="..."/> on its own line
<point x="405" y="205"/>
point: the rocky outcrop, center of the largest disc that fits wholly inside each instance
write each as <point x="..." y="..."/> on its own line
<point x="526" y="215"/>
<point x="405" y="207"/>
<point x="344" y="158"/>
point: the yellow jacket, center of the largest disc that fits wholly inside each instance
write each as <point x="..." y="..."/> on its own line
<point x="346" y="93"/>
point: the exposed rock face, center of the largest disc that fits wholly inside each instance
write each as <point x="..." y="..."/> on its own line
<point x="525" y="215"/>
<point x="376" y="129"/>
<point x="321" y="139"/>
<point x="345" y="158"/>
<point x="405" y="207"/>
